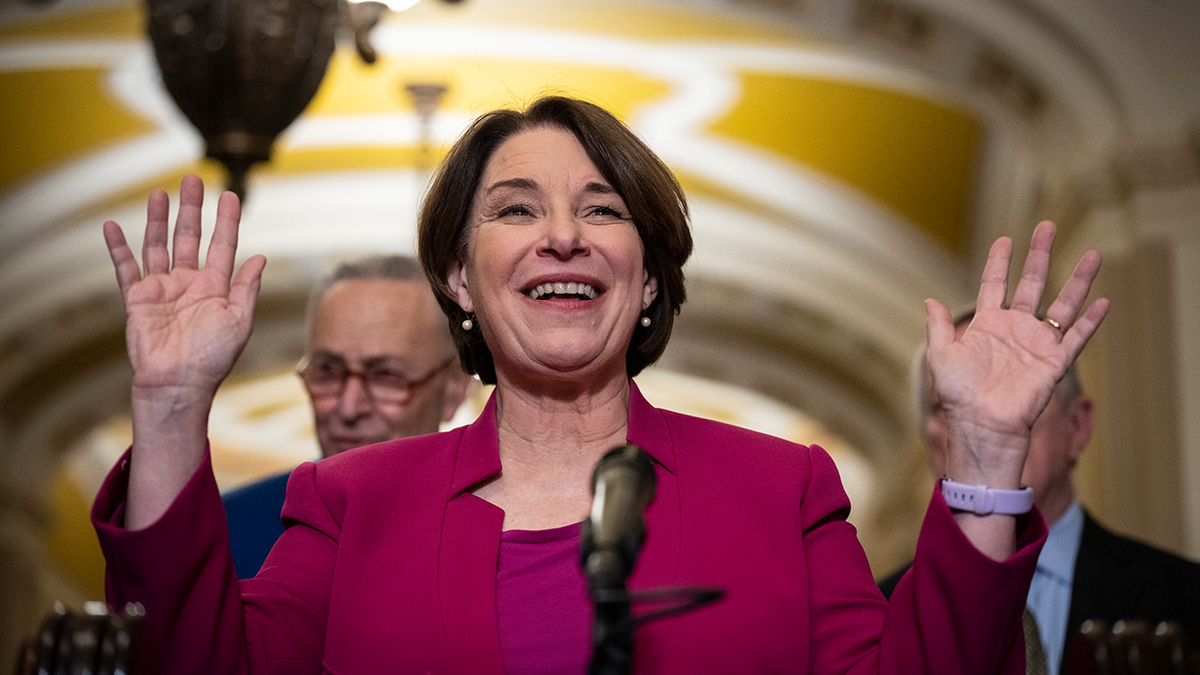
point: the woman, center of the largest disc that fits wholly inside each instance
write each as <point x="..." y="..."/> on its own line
<point x="555" y="240"/>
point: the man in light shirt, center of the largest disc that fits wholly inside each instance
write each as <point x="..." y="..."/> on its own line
<point x="1084" y="570"/>
<point x="380" y="365"/>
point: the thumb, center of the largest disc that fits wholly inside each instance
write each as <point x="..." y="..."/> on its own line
<point x="243" y="292"/>
<point x="939" y="327"/>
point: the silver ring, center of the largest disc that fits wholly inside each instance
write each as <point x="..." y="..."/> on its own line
<point x="1057" y="326"/>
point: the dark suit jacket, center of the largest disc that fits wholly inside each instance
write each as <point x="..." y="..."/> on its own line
<point x="1120" y="578"/>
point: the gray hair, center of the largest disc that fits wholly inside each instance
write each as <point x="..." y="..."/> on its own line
<point x="398" y="267"/>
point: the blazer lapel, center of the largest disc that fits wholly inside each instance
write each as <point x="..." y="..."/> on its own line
<point x="470" y="548"/>
<point x="658" y="563"/>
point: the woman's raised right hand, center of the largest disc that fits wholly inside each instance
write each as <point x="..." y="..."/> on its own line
<point x="185" y="326"/>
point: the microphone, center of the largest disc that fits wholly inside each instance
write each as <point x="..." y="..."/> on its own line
<point x="623" y="484"/>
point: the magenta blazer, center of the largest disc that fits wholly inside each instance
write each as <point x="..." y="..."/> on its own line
<point x="388" y="565"/>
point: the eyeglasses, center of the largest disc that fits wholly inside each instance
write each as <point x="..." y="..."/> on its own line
<point x="325" y="375"/>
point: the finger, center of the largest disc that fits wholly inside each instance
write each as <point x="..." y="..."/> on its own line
<point x="939" y="327"/>
<point x="124" y="263"/>
<point x="243" y="293"/>
<point x="186" y="247"/>
<point x="223" y="247"/>
<point x="155" y="259"/>
<point x="1028" y="294"/>
<point x="1077" y="336"/>
<point x="1075" y="291"/>
<point x="994" y="285"/>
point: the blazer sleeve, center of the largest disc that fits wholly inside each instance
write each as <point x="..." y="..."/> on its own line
<point x="180" y="571"/>
<point x="956" y="611"/>
<point x="198" y="618"/>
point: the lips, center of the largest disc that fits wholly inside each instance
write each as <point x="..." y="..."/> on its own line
<point x="573" y="290"/>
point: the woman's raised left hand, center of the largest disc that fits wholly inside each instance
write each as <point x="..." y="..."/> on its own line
<point x="995" y="378"/>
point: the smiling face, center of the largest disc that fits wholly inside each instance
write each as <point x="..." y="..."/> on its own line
<point x="553" y="268"/>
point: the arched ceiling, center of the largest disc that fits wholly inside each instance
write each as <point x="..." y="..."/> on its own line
<point x="845" y="160"/>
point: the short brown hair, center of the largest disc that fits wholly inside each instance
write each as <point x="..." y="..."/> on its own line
<point x="655" y="199"/>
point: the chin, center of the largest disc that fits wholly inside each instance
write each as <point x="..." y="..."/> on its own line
<point x="575" y="358"/>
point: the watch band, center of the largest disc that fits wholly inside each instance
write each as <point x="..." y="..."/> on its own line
<point x="983" y="500"/>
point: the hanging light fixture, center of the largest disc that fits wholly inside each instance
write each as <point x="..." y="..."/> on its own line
<point x="243" y="70"/>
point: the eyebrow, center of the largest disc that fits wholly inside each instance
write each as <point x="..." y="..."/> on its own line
<point x="366" y="361"/>
<point x="530" y="184"/>
<point x="518" y="183"/>
<point x="599" y="188"/>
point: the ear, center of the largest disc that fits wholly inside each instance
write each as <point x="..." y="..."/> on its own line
<point x="456" y="280"/>
<point x="1081" y="426"/>
<point x="649" y="289"/>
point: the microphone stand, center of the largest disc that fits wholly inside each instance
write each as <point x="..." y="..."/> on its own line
<point x="612" y="632"/>
<point x="623" y="484"/>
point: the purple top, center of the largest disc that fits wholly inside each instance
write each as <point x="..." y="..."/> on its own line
<point x="542" y="605"/>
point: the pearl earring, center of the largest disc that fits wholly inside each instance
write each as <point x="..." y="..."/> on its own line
<point x="468" y="324"/>
<point x="645" y="322"/>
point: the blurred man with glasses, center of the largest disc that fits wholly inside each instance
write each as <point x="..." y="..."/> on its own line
<point x="380" y="366"/>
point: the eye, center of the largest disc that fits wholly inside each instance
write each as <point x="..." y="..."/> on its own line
<point x="515" y="210"/>
<point x="606" y="212"/>
<point x="326" y="370"/>
<point x="388" y="378"/>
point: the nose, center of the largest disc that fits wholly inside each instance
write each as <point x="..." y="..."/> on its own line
<point x="564" y="235"/>
<point x="354" y="401"/>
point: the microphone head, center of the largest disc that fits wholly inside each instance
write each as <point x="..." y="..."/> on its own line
<point x="623" y="484"/>
<point x="631" y="458"/>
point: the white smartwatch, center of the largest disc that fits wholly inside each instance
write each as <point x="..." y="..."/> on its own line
<point x="983" y="500"/>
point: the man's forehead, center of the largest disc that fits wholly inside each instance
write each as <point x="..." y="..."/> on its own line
<point x="358" y="317"/>
<point x="367" y="300"/>
<point x="380" y="286"/>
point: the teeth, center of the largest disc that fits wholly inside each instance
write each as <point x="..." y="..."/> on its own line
<point x="563" y="288"/>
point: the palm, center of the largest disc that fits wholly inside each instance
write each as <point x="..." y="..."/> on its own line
<point x="1004" y="367"/>
<point x="183" y="319"/>
<point x="185" y="326"/>
<point x="994" y="379"/>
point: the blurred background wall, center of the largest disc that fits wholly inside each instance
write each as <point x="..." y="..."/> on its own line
<point x="845" y="159"/>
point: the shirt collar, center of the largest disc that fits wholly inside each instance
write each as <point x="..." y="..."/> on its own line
<point x="1057" y="558"/>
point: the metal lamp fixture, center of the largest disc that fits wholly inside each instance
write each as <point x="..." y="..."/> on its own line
<point x="243" y="70"/>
